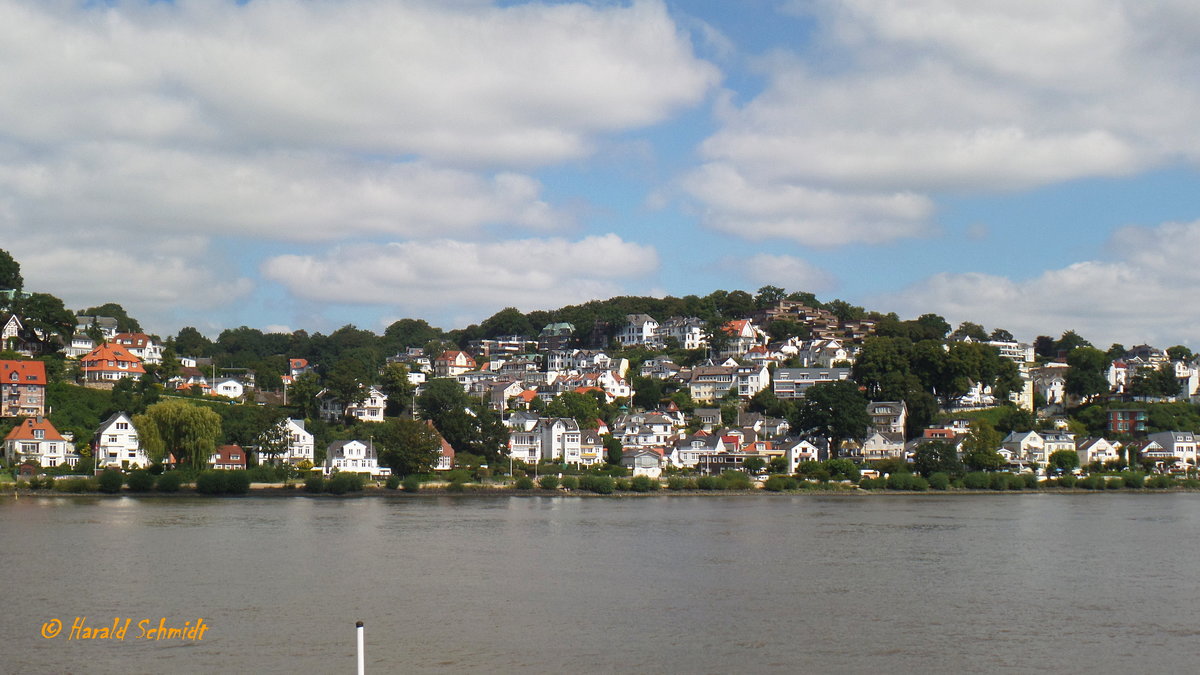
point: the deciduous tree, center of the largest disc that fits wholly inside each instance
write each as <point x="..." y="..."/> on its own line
<point x="188" y="431"/>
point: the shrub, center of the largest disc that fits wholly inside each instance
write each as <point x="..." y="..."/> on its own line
<point x="1134" y="479"/>
<point x="1067" y="481"/>
<point x="1190" y="483"/>
<point x="393" y="482"/>
<point x="169" y="481"/>
<point x="570" y="482"/>
<point x="411" y="483"/>
<point x="780" y="483"/>
<point x="458" y="476"/>
<point x="263" y="473"/>
<point x="977" y="480"/>
<point x="676" y="483"/>
<point x="998" y="481"/>
<point x="1016" y="481"/>
<point x="622" y="485"/>
<point x="211" y="483"/>
<point x="345" y="481"/>
<point x="603" y="485"/>
<point x="548" y="482"/>
<point x="314" y="484"/>
<point x="1160" y="482"/>
<point x="710" y="483"/>
<point x="524" y="483"/>
<point x="456" y="486"/>
<point x="939" y="481"/>
<point x="643" y="484"/>
<point x="111" y="481"/>
<point x="1092" y="482"/>
<point x="140" y="481"/>
<point x="237" y="482"/>
<point x="74" y="485"/>
<point x="736" y="480"/>
<point x="1114" y="483"/>
<point x="1031" y="481"/>
<point x="907" y="481"/>
<point x="872" y="483"/>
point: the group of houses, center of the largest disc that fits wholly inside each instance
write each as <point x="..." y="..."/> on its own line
<point x="513" y="374"/>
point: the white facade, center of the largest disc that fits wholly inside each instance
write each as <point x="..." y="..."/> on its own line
<point x="116" y="444"/>
<point x="354" y="457"/>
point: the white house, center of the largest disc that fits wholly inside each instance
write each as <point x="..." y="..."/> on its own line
<point x="354" y="457"/>
<point x="36" y="439"/>
<point x="300" y="443"/>
<point x="116" y="444"/>
<point x="228" y="387"/>
<point x="639" y="329"/>
<point x="643" y="461"/>
<point x="370" y="409"/>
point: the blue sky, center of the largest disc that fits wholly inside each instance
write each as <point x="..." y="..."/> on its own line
<point x="1023" y="165"/>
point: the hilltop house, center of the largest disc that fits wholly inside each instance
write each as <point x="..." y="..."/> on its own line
<point x="22" y="388"/>
<point x="370" y="409"/>
<point x="109" y="363"/>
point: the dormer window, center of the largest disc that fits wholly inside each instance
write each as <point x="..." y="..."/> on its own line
<point x="39" y="434"/>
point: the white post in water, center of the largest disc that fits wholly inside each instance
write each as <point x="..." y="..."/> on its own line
<point x="362" y="664"/>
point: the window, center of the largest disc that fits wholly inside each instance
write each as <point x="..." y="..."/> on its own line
<point x="39" y="434"/>
<point x="113" y="439"/>
<point x="122" y="425"/>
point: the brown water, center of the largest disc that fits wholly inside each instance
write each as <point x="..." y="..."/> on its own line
<point x="941" y="584"/>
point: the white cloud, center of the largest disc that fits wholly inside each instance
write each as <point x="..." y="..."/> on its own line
<point x="1149" y="292"/>
<point x="788" y="272"/>
<point x="105" y="188"/>
<point x="452" y="82"/>
<point x="811" y="216"/>
<point x="932" y="96"/>
<point x="528" y="274"/>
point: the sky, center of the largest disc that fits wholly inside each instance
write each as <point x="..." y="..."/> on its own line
<point x="306" y="164"/>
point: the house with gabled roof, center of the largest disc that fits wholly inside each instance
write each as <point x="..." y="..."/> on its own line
<point x="452" y="363"/>
<point x="36" y="440"/>
<point x="643" y="461"/>
<point x="22" y="388"/>
<point x="228" y="458"/>
<point x="116" y="444"/>
<point x="639" y="329"/>
<point x="140" y="345"/>
<point x="1097" y="449"/>
<point x="110" y="362"/>
<point x="369" y="409"/>
<point x="1180" y="444"/>
<point x="353" y="456"/>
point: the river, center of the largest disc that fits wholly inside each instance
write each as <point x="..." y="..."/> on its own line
<point x="666" y="584"/>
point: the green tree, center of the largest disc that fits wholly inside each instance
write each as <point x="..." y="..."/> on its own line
<point x="1070" y="341"/>
<point x="347" y="381"/>
<point x="394" y="382"/>
<point x="303" y="394"/>
<point x="836" y="410"/>
<point x="980" y="447"/>
<point x="407" y="333"/>
<point x="407" y="446"/>
<point x="49" y="318"/>
<point x="125" y="323"/>
<point x="190" y="342"/>
<point x="1063" y="461"/>
<point x="188" y="431"/>
<point x="582" y="408"/>
<point x="508" y="321"/>
<point x="937" y="457"/>
<point x="10" y="273"/>
<point x="768" y="296"/>
<point x="971" y="330"/>
<point x="1085" y="372"/>
<point x="1180" y="353"/>
<point x="467" y="425"/>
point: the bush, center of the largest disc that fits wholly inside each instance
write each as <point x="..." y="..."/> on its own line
<point x="1160" y="482"/>
<point x="570" y="483"/>
<point x="676" y="483"/>
<point x="237" y="482"/>
<point x="458" y="476"/>
<point x="211" y="483"/>
<point x="111" y="481"/>
<point x="548" y="482"/>
<point x="411" y="483"/>
<point x="1135" y="480"/>
<point x="622" y="485"/>
<point x="872" y="483"/>
<point x="456" y="486"/>
<point x="263" y="473"/>
<point x="599" y="484"/>
<point x="939" y="481"/>
<point x="643" y="484"/>
<point x="169" y="481"/>
<point x="74" y="485"/>
<point x="1114" y="483"/>
<point x="345" y="481"/>
<point x="710" y="483"/>
<point x="140" y="481"/>
<point x="524" y="483"/>
<point x="1031" y="481"/>
<point x="998" y="481"/>
<point x="907" y="481"/>
<point x="1092" y="482"/>
<point x="977" y="480"/>
<point x="736" y="480"/>
<point x="393" y="482"/>
<point x="314" y="484"/>
<point x="1067" y="481"/>
<point x="780" y="483"/>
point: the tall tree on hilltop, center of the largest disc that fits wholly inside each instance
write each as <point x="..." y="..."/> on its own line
<point x="10" y="273"/>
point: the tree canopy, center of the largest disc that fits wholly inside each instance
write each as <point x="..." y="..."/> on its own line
<point x="10" y="272"/>
<point x="188" y="431"/>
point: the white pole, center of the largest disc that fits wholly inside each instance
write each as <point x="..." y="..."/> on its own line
<point x="362" y="664"/>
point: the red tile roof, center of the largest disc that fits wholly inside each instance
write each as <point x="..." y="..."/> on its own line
<point x="27" y="372"/>
<point x="24" y="431"/>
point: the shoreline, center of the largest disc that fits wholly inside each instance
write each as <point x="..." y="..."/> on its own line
<point x="277" y="492"/>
